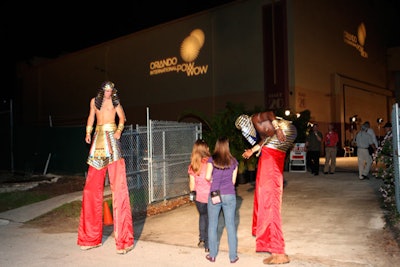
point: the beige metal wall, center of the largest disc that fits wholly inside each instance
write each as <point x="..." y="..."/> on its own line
<point x="321" y="64"/>
<point x="320" y="53"/>
<point x="230" y="59"/>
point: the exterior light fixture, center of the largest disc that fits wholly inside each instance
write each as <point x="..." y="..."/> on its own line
<point x="353" y="118"/>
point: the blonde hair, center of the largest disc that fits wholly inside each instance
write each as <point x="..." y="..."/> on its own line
<point x="200" y="150"/>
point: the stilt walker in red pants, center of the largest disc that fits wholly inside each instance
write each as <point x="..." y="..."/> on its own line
<point x="275" y="136"/>
<point x="105" y="155"/>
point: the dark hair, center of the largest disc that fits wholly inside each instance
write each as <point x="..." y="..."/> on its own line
<point x="222" y="156"/>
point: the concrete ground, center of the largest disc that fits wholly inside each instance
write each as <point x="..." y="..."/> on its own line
<point x="328" y="220"/>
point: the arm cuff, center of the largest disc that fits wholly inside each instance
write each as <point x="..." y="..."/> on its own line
<point x="120" y="127"/>
<point x="255" y="148"/>
<point x="275" y="124"/>
<point x="89" y="129"/>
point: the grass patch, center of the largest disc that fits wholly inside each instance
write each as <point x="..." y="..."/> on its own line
<point x="64" y="219"/>
<point x="68" y="210"/>
<point x="12" y="200"/>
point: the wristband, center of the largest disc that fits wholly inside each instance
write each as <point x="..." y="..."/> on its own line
<point x="120" y="127"/>
<point x="89" y="129"/>
<point x="255" y="148"/>
<point x="275" y="124"/>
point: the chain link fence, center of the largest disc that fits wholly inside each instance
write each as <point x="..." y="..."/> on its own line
<point x="156" y="155"/>
<point x="157" y="158"/>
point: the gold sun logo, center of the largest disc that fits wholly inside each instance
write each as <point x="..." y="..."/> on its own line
<point x="191" y="45"/>
<point x="361" y="34"/>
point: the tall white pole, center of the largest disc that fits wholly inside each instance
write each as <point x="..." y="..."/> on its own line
<point x="11" y="137"/>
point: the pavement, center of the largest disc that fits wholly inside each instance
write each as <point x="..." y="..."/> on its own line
<point x="328" y="220"/>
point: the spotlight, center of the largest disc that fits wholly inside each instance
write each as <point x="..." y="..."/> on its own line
<point x="379" y="120"/>
<point x="287" y="112"/>
<point x="354" y="118"/>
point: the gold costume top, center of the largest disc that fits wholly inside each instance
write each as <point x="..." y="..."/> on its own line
<point x="105" y="148"/>
<point x="290" y="132"/>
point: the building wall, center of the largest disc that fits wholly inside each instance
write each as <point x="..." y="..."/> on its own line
<point x="327" y="75"/>
<point x="229" y="58"/>
<point x="321" y="58"/>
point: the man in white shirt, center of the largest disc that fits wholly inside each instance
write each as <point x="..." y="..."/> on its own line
<point x="371" y="132"/>
<point x="363" y="140"/>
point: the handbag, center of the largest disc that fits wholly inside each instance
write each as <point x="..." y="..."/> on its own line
<point x="216" y="197"/>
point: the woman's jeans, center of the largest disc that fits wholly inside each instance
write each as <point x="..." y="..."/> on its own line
<point x="228" y="206"/>
<point x="203" y="222"/>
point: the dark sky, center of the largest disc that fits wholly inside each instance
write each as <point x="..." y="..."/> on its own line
<point x="49" y="29"/>
<point x="52" y="28"/>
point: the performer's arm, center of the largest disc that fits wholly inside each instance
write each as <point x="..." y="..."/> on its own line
<point x="262" y="124"/>
<point x="121" y="123"/>
<point x="261" y="120"/>
<point x="90" y="122"/>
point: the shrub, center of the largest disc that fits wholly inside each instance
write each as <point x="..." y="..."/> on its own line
<point x="385" y="171"/>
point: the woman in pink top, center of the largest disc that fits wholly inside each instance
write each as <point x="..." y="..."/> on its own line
<point x="201" y="187"/>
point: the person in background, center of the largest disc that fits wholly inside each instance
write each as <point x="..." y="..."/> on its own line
<point x="313" y="148"/>
<point x="276" y="137"/>
<point x="200" y="187"/>
<point x="386" y="141"/>
<point x="363" y="140"/>
<point x="331" y="139"/>
<point x="221" y="171"/>
<point x="388" y="131"/>
<point x="105" y="155"/>
<point x="371" y="132"/>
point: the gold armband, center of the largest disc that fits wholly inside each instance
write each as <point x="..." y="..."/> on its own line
<point x="89" y="129"/>
<point x="275" y="124"/>
<point x="120" y="127"/>
<point x="255" y="148"/>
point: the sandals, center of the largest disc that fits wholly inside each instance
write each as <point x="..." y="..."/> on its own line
<point x="125" y="250"/>
<point x="90" y="247"/>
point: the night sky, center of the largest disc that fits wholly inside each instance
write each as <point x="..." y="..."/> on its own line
<point x="48" y="30"/>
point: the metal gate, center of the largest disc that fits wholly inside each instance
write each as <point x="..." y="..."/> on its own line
<point x="157" y="158"/>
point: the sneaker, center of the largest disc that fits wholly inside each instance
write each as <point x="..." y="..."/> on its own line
<point x="125" y="250"/>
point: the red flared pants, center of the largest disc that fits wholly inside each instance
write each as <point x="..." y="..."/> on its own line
<point x="267" y="220"/>
<point x="90" y="230"/>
